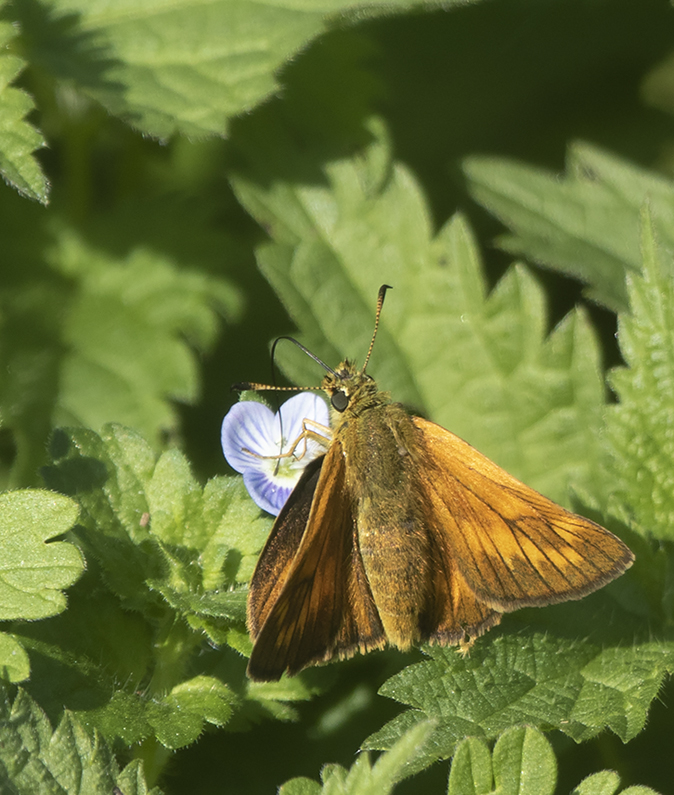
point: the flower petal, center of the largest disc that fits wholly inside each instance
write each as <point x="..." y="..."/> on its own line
<point x="248" y="425"/>
<point x="251" y="442"/>
<point x="266" y="492"/>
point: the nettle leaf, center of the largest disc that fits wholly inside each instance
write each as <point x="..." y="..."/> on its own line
<point x="95" y="338"/>
<point x="142" y="304"/>
<point x="36" y="760"/>
<point x="523" y="763"/>
<point x="538" y="680"/>
<point x="176" y="554"/>
<point x="32" y="571"/>
<point x="364" y="778"/>
<point x="586" y="225"/>
<point x="208" y="62"/>
<point x="18" y="139"/>
<point x="481" y="364"/>
<point x="152" y="528"/>
<point x="639" y="426"/>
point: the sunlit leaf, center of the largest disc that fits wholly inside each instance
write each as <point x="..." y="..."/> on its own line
<point x="18" y="138"/>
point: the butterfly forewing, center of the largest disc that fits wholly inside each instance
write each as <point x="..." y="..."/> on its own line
<point x="513" y="547"/>
<point x="272" y="568"/>
<point x="321" y="606"/>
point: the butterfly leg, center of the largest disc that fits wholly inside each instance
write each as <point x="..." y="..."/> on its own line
<point x="320" y="434"/>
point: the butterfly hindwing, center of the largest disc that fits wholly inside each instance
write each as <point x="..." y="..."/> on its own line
<point x="455" y="612"/>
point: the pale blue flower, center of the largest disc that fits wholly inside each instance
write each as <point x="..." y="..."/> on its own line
<point x="251" y="430"/>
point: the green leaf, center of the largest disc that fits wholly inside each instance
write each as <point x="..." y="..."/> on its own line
<point x="18" y="139"/>
<point x="131" y="781"/>
<point x="141" y="304"/>
<point x="107" y="474"/>
<point x="208" y="62"/>
<point x="178" y="719"/>
<point x="14" y="662"/>
<point x="608" y="783"/>
<point x="523" y="764"/>
<point x="95" y="337"/>
<point x="481" y="364"/>
<point x="640" y="442"/>
<point x="300" y="786"/>
<point x="215" y="522"/>
<point x="33" y="572"/>
<point x="605" y="783"/>
<point x="364" y="778"/>
<point x="539" y="680"/>
<point x="95" y="659"/>
<point x="471" y="771"/>
<point x="36" y="761"/>
<point x="586" y="225"/>
<point x="656" y="88"/>
<point x="153" y="528"/>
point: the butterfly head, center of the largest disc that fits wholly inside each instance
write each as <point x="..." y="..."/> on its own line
<point x="351" y="390"/>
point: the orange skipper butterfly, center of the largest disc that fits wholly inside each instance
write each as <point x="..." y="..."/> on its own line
<point x="402" y="533"/>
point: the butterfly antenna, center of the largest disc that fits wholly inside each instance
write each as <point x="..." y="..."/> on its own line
<point x="380" y="304"/>
<point x="243" y="385"/>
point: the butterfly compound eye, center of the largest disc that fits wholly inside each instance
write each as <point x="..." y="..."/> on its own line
<point x="340" y="400"/>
